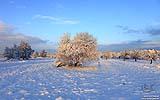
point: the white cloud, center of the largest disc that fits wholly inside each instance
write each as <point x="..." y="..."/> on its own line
<point x="6" y="28"/>
<point x="139" y="44"/>
<point x="46" y="17"/>
<point x="69" y="22"/>
<point x="8" y="37"/>
<point x="56" y="20"/>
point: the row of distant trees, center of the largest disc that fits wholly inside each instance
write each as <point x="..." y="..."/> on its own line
<point x="22" y="51"/>
<point x="42" y="53"/>
<point x="151" y="55"/>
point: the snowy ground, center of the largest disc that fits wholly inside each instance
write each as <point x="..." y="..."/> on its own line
<point x="114" y="80"/>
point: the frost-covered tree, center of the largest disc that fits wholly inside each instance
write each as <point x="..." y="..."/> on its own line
<point x="7" y="53"/>
<point x="82" y="48"/>
<point x="23" y="51"/>
<point x="16" y="52"/>
<point x="135" y="54"/>
<point x="152" y="55"/>
<point x="158" y="53"/>
<point x="125" y="55"/>
<point x="64" y="49"/>
<point x="43" y="53"/>
<point x="107" y="55"/>
<point x="35" y="54"/>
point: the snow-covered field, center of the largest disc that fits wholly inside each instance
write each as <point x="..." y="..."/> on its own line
<point x="114" y="80"/>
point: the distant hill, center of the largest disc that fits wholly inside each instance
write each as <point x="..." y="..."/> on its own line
<point x="48" y="50"/>
<point x="122" y="47"/>
<point x="100" y="48"/>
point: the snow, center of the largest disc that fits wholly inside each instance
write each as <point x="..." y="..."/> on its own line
<point x="114" y="80"/>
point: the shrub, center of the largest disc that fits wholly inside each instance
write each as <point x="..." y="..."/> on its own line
<point x="43" y="53"/>
<point x="125" y="55"/>
<point x="135" y="54"/>
<point x="76" y="51"/>
<point x="35" y="54"/>
<point x="152" y="55"/>
<point x="23" y="51"/>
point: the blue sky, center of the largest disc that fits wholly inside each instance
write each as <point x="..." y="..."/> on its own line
<point x="110" y="21"/>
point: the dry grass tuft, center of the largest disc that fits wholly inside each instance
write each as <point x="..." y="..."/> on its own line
<point x="81" y="68"/>
<point x="158" y="66"/>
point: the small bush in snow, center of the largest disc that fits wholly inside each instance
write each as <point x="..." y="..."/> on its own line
<point x="42" y="53"/>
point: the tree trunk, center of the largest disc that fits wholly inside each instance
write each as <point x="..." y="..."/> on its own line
<point x="124" y="59"/>
<point x="151" y="61"/>
<point x="76" y="64"/>
<point x="135" y="59"/>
